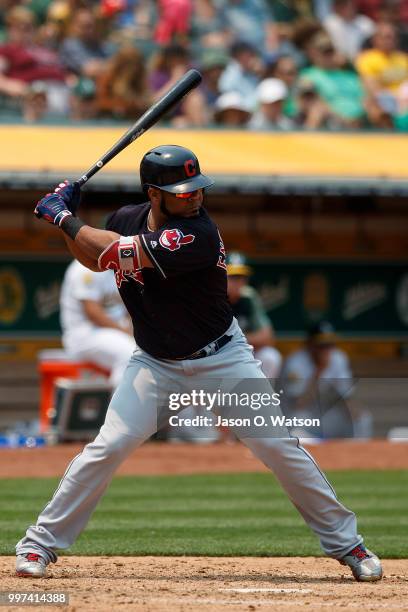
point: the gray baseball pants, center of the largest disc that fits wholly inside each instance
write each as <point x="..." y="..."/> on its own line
<point x="132" y="418"/>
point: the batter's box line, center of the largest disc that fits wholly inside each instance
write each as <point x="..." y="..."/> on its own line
<point x="267" y="590"/>
<point x="271" y="602"/>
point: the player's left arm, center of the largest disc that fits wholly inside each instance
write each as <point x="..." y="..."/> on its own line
<point x="182" y="246"/>
<point x="80" y="256"/>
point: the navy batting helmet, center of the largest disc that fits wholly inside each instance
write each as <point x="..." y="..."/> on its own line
<point x="173" y="169"/>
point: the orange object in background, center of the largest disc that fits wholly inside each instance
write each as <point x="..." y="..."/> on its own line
<point x="53" y="365"/>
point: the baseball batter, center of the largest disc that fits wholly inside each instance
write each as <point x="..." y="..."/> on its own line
<point x="169" y="262"/>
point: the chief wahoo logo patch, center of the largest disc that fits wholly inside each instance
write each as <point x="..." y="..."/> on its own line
<point x="173" y="239"/>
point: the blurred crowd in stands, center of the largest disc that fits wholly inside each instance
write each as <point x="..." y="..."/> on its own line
<point x="266" y="64"/>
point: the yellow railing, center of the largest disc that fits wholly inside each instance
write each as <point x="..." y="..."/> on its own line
<point x="71" y="150"/>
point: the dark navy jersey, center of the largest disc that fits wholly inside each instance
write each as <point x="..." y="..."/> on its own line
<point x="180" y="305"/>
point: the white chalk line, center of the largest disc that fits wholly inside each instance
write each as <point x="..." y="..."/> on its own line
<point x="267" y="590"/>
<point x="276" y="602"/>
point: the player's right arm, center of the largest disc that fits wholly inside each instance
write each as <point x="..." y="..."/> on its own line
<point x="96" y="249"/>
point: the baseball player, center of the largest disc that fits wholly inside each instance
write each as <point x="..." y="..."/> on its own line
<point x="250" y="314"/>
<point x="318" y="379"/>
<point x="94" y="321"/>
<point x="169" y="262"/>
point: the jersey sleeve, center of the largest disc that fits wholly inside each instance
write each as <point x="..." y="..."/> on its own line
<point x="88" y="286"/>
<point x="182" y="246"/>
<point x="111" y="221"/>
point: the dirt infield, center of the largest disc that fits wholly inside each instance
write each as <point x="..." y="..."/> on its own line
<point x="162" y="458"/>
<point x="180" y="584"/>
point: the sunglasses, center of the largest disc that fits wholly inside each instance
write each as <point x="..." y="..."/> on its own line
<point x="185" y="196"/>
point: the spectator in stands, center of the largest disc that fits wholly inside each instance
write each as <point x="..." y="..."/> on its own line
<point x="340" y="88"/>
<point x="83" y="52"/>
<point x="122" y="87"/>
<point x="285" y="69"/>
<point x="317" y="383"/>
<point x="347" y="29"/>
<point x="302" y="104"/>
<point x="251" y="316"/>
<point x="173" y="24"/>
<point x="285" y="45"/>
<point x="209" y="26"/>
<point x="288" y="17"/>
<point x="322" y="9"/>
<point x="271" y="95"/>
<point x="135" y="21"/>
<point x="167" y="66"/>
<point x="251" y="21"/>
<point x="242" y="74"/>
<point x="232" y="110"/>
<point x="385" y="10"/>
<point x="52" y="31"/>
<point x="24" y="64"/>
<point x="384" y="68"/>
<point x="35" y="103"/>
<point x="395" y="12"/>
<point x="95" y="325"/>
<point x="39" y="8"/>
<point x="83" y="102"/>
<point x="312" y="112"/>
<point x="289" y="12"/>
<point x="304" y="30"/>
<point x="212" y="64"/>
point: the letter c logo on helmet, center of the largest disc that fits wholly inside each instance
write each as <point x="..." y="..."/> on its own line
<point x="190" y="167"/>
<point x="173" y="169"/>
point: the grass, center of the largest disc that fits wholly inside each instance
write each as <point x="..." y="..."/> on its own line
<point x="217" y="515"/>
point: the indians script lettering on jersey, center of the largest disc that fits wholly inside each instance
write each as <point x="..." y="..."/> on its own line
<point x="182" y="304"/>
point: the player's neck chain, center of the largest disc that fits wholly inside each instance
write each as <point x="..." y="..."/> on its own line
<point x="149" y="218"/>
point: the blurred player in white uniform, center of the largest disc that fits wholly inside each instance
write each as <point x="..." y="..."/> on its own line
<point x="318" y="382"/>
<point x="95" y="324"/>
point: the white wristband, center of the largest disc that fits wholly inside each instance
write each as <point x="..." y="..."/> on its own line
<point x="129" y="258"/>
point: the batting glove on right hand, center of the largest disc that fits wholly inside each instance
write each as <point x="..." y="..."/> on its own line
<point x="70" y="193"/>
<point x="52" y="208"/>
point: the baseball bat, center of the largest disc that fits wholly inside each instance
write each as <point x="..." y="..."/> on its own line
<point x="182" y="87"/>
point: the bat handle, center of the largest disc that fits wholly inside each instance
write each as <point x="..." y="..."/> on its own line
<point x="93" y="170"/>
<point x="81" y="181"/>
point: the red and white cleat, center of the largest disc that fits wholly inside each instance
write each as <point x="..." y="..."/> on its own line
<point x="364" y="564"/>
<point x="30" y="565"/>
